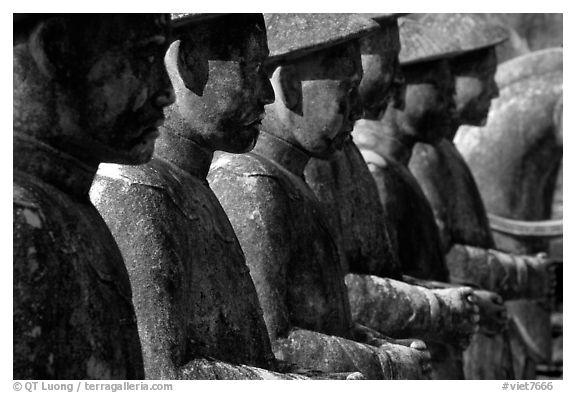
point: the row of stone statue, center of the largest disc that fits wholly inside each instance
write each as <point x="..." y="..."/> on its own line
<point x="336" y="234"/>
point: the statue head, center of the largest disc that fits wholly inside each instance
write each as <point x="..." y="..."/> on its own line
<point x="429" y="101"/>
<point x="221" y="87"/>
<point x="474" y="68"/>
<point x="92" y="85"/>
<point x="383" y="80"/>
<point x="315" y="69"/>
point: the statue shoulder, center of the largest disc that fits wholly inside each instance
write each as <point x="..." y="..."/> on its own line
<point x="152" y="174"/>
<point x="248" y="179"/>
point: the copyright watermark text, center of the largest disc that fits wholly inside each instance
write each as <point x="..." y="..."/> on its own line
<point x="89" y="386"/>
<point x="528" y="385"/>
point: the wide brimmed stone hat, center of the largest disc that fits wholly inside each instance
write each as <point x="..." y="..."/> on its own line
<point x="184" y="20"/>
<point x="469" y="32"/>
<point x="422" y="43"/>
<point x="21" y="21"/>
<point x="291" y="36"/>
<point x="382" y="18"/>
<point x="530" y="65"/>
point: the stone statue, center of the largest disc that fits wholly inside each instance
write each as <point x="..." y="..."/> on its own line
<point x="444" y="178"/>
<point x="87" y="89"/>
<point x="515" y="160"/>
<point x="346" y="188"/>
<point x="197" y="308"/>
<point x="386" y="142"/>
<point x="315" y="69"/>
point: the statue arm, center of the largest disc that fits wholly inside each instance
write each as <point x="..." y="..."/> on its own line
<point x="511" y="276"/>
<point x="403" y="310"/>
<point x="139" y="219"/>
<point x="339" y="355"/>
<point x="257" y="209"/>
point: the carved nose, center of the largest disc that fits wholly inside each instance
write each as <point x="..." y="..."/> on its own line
<point x="165" y="98"/>
<point x="267" y="92"/>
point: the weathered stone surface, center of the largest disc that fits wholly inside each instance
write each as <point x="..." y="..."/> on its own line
<point x="404" y="203"/>
<point x="518" y="181"/>
<point x="192" y="290"/>
<point x="294" y="262"/>
<point x="515" y="168"/>
<point x="81" y="97"/>
<point x="197" y="308"/>
<point x="73" y="315"/>
<point x="467" y="31"/>
<point x="451" y="190"/>
<point x="346" y="188"/>
<point x="420" y="43"/>
<point x="295" y="35"/>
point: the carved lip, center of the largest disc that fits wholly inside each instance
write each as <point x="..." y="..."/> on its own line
<point x="152" y="130"/>
<point x="256" y="121"/>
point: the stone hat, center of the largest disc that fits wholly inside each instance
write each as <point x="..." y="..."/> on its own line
<point x="21" y="21"/>
<point x="422" y="43"/>
<point x="382" y="18"/>
<point x="469" y="31"/>
<point x="530" y="65"/>
<point x="291" y="36"/>
<point x="180" y="21"/>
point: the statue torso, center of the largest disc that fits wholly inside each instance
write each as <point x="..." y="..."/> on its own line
<point x="347" y="190"/>
<point x="409" y="217"/>
<point x="201" y="267"/>
<point x="73" y="314"/>
<point x="315" y="291"/>
<point x="452" y="192"/>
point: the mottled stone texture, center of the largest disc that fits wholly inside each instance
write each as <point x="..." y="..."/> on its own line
<point x="350" y="197"/>
<point x="467" y="31"/>
<point x="451" y="190"/>
<point x="515" y="160"/>
<point x="422" y="43"/>
<point x="86" y="90"/>
<point x="295" y="35"/>
<point x="515" y="157"/>
<point x="404" y="203"/>
<point x="192" y="290"/>
<point x="294" y="262"/>
<point x="72" y="312"/>
<point x="347" y="190"/>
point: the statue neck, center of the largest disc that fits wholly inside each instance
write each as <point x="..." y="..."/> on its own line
<point x="385" y="138"/>
<point x="283" y="153"/>
<point x="183" y="153"/>
<point x="53" y="166"/>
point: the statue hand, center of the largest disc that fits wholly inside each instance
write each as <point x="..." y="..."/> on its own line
<point x="493" y="316"/>
<point x="551" y="275"/>
<point x="458" y="315"/>
<point x="411" y="358"/>
<point x="543" y="283"/>
<point x="355" y="375"/>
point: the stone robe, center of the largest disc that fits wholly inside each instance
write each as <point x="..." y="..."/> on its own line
<point x="378" y="300"/>
<point x="294" y="262"/>
<point x="413" y="230"/>
<point x="73" y="316"/>
<point x="193" y="294"/>
<point x="452" y="191"/>
<point x="459" y="212"/>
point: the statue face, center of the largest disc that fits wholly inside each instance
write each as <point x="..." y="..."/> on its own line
<point x="429" y="99"/>
<point x="383" y="79"/>
<point x="475" y="86"/>
<point x="121" y="85"/>
<point x="329" y="102"/>
<point x="221" y="86"/>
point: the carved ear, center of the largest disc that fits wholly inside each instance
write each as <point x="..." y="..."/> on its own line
<point x="291" y="88"/>
<point x="50" y="48"/>
<point x="193" y="67"/>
